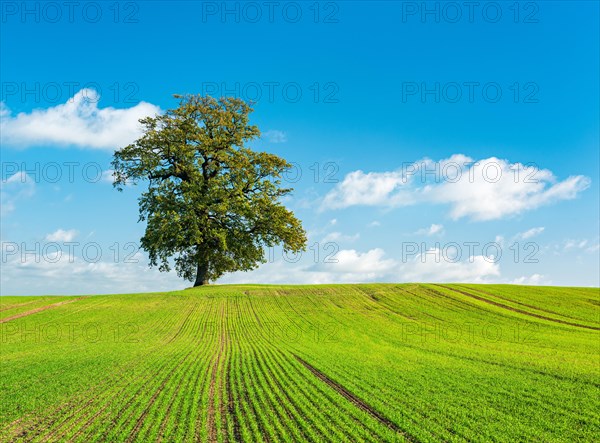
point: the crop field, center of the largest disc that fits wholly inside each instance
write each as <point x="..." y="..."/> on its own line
<point x="342" y="363"/>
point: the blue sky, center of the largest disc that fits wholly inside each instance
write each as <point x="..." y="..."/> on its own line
<point x="360" y="96"/>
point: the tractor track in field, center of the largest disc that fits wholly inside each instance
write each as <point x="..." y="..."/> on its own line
<point x="460" y="305"/>
<point x="293" y="369"/>
<point x="383" y="306"/>
<point x="40" y="309"/>
<point x="520" y="311"/>
<point x="183" y="324"/>
<point x="537" y="308"/>
<point x="355" y="400"/>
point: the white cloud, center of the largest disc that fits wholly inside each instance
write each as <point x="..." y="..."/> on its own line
<point x="351" y="267"/>
<point x="108" y="176"/>
<point x="593" y="248"/>
<point x="575" y="244"/>
<point x="432" y="230"/>
<point x="339" y="237"/>
<point x="374" y="224"/>
<point x="432" y="266"/>
<point x="354" y="267"/>
<point x="369" y="189"/>
<point x="78" y="122"/>
<point x="488" y="189"/>
<point x="61" y="235"/>
<point x="514" y="189"/>
<point x="585" y="245"/>
<point x="533" y="280"/>
<point x="64" y="274"/>
<point x="275" y="136"/>
<point x="388" y="189"/>
<point x="530" y="233"/>
<point x="16" y="187"/>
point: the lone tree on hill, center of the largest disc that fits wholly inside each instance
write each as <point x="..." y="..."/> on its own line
<point x="212" y="204"/>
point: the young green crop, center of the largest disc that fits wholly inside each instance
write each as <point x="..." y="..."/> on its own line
<point x="377" y="362"/>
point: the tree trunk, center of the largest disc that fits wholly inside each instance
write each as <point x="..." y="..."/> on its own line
<point x="201" y="274"/>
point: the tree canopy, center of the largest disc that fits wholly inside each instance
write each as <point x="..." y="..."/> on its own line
<point x="212" y="204"/>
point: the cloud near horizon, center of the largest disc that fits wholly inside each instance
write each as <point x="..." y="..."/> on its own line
<point x="374" y="265"/>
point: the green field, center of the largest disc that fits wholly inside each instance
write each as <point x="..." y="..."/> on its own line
<point x="353" y="363"/>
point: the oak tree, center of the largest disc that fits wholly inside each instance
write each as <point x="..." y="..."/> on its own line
<point x="212" y="204"/>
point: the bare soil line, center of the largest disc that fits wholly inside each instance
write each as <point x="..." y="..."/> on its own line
<point x="212" y="425"/>
<point x="231" y="403"/>
<point x="36" y="310"/>
<point x="355" y="400"/>
<point x="520" y="311"/>
<point x="18" y="305"/>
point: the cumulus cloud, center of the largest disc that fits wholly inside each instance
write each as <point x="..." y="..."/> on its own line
<point x="391" y="188"/>
<point x="16" y="187"/>
<point x="275" y="136"/>
<point x="487" y="189"/>
<point x="432" y="230"/>
<point x="78" y="122"/>
<point x="432" y="266"/>
<point x="499" y="189"/>
<point x="61" y="235"/>
<point x="354" y="266"/>
<point x="362" y="266"/>
<point x="369" y="189"/>
<point x="346" y="266"/>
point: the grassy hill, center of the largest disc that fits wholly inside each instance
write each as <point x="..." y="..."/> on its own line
<point x="376" y="362"/>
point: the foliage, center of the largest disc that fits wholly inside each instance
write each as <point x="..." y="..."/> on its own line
<point x="212" y="203"/>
